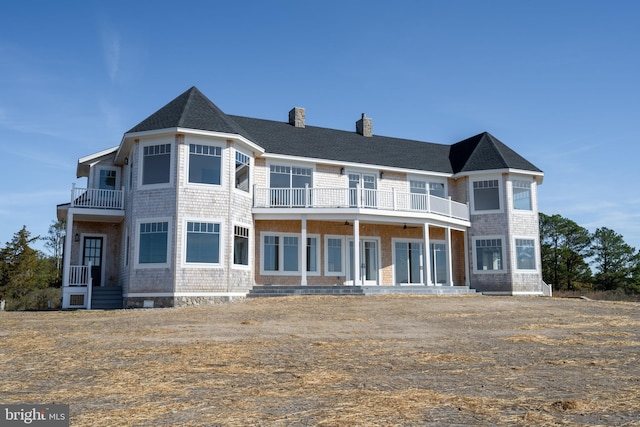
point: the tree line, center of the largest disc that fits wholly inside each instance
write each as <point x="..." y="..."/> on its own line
<point x="25" y="271"/>
<point x="575" y="259"/>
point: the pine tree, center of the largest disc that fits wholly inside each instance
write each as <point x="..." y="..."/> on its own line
<point x="23" y="268"/>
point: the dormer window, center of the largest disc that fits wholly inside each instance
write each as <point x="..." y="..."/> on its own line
<point x="107" y="179"/>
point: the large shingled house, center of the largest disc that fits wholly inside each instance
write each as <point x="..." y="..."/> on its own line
<point x="196" y="206"/>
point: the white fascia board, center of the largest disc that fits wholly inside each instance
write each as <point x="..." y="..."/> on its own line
<point x="128" y="139"/>
<point x="85" y="162"/>
<point x="537" y="175"/>
<point x="250" y="144"/>
<point x="353" y="165"/>
<point x="342" y="214"/>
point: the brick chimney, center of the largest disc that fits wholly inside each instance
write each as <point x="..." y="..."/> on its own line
<point x="364" y="126"/>
<point x="296" y="117"/>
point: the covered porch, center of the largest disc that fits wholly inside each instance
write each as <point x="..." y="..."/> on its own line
<point x="92" y="247"/>
<point x="365" y="252"/>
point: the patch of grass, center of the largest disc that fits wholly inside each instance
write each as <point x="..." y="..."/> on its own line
<point x="37" y="300"/>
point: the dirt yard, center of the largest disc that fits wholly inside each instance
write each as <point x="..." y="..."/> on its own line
<point x="333" y="361"/>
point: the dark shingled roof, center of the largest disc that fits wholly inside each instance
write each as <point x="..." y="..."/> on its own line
<point x="330" y="144"/>
<point x="193" y="110"/>
<point x="190" y="110"/>
<point x="486" y="152"/>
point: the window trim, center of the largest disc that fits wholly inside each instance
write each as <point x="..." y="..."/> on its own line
<point x="420" y="242"/>
<point x="513" y="194"/>
<point x="500" y="209"/>
<point x="187" y="159"/>
<point x="318" y="271"/>
<point x="343" y="256"/>
<point x="96" y="178"/>
<point x="144" y="266"/>
<point x="172" y="159"/>
<point x="428" y="180"/>
<point x="221" y="250"/>
<point x="300" y="165"/>
<point x="250" y="244"/>
<point x="503" y="254"/>
<point x="249" y="191"/>
<point x="280" y="271"/>
<point x="535" y="255"/>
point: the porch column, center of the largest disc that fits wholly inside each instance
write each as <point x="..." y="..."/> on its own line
<point x="303" y="246"/>
<point x="447" y="238"/>
<point x="68" y="239"/>
<point x="465" y="236"/>
<point x="356" y="252"/>
<point x="427" y="255"/>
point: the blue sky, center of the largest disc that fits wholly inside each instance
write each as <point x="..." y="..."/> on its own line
<point x="558" y="81"/>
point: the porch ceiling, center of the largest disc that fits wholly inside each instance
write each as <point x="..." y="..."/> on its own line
<point x="98" y="215"/>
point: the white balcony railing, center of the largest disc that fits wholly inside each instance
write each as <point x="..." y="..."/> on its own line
<point x="358" y="198"/>
<point x="97" y="198"/>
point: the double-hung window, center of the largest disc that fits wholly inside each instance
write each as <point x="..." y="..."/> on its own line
<point x="486" y="195"/>
<point x="243" y="163"/>
<point x="271" y="253"/>
<point x="525" y="254"/>
<point x="203" y="243"/>
<point x="156" y="164"/>
<point x="522" y="195"/>
<point x="107" y="179"/>
<point x="153" y="241"/>
<point x="488" y="254"/>
<point x="205" y="164"/>
<point x="240" y="245"/>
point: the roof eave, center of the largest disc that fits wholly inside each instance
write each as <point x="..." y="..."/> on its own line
<point x="84" y="163"/>
<point x="538" y="175"/>
<point x="129" y="138"/>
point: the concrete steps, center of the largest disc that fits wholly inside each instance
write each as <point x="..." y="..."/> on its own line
<point x="280" y="291"/>
<point x="106" y="298"/>
<point x="283" y="291"/>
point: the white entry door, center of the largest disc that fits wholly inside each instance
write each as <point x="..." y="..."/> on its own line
<point x="369" y="263"/>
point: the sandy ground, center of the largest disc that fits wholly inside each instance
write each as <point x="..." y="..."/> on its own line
<point x="333" y="361"/>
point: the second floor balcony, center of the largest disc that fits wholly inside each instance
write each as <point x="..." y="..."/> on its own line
<point x="94" y="204"/>
<point x="97" y="198"/>
<point x="359" y="198"/>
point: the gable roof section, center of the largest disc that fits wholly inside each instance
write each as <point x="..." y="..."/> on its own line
<point x="486" y="152"/>
<point x="190" y="110"/>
